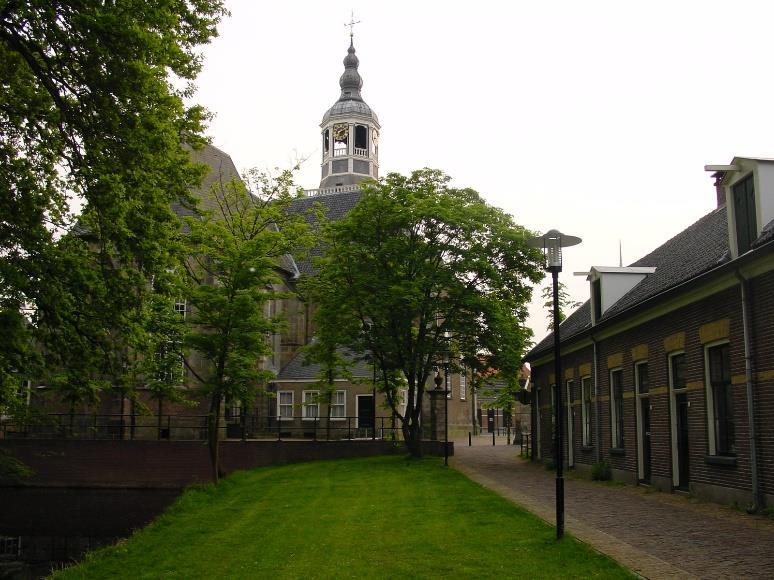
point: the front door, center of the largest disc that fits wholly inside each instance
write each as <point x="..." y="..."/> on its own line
<point x="645" y="437"/>
<point x="681" y="401"/>
<point x="365" y="414"/>
<point x="570" y="425"/>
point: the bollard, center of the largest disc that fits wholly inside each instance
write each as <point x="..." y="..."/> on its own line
<point x="470" y="439"/>
<point x="493" y="438"/>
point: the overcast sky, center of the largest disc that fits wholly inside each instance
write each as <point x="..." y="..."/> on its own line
<point x="595" y="118"/>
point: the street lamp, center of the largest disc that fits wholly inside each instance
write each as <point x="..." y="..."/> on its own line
<point x="552" y="243"/>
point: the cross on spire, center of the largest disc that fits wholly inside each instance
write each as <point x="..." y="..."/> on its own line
<point x="351" y="24"/>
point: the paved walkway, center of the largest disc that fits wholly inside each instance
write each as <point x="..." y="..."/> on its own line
<point x="657" y="535"/>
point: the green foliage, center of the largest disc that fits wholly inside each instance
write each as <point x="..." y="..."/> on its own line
<point x="565" y="303"/>
<point x="94" y="149"/>
<point x="265" y="529"/>
<point x="12" y="470"/>
<point x="233" y="250"/>
<point x="415" y="263"/>
<point x="601" y="471"/>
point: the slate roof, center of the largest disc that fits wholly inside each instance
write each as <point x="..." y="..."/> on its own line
<point x="335" y="205"/>
<point x="221" y="168"/>
<point x="697" y="249"/>
<point x="296" y="369"/>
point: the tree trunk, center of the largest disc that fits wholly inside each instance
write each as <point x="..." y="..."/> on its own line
<point x="213" y="436"/>
<point x="412" y="435"/>
<point x="158" y="412"/>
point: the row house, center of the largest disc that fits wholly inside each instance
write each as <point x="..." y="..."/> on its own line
<point x="668" y="368"/>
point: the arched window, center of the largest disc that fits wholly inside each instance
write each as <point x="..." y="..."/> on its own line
<point x="340" y="139"/>
<point x="326" y="141"/>
<point x="361" y="140"/>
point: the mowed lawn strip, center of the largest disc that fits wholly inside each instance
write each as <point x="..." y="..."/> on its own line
<point x="383" y="517"/>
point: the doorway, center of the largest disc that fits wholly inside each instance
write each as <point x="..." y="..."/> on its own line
<point x="570" y="425"/>
<point x="679" y="420"/>
<point x="365" y="415"/>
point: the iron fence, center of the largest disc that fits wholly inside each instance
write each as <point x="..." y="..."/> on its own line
<point x="195" y="427"/>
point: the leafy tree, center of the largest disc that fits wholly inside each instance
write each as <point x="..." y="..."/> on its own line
<point x="418" y="268"/>
<point x="234" y="248"/>
<point x="565" y="303"/>
<point x="91" y="120"/>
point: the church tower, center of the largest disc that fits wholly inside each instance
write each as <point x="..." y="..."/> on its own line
<point x="350" y="132"/>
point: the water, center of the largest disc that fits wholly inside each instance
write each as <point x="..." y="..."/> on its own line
<point x="45" y="528"/>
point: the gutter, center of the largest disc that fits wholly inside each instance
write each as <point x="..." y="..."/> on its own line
<point x="597" y="423"/>
<point x="732" y="266"/>
<point x="744" y="287"/>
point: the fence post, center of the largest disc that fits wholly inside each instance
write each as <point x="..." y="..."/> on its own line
<point x="470" y="439"/>
<point x="493" y="438"/>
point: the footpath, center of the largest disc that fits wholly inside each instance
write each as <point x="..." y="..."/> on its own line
<point x="656" y="535"/>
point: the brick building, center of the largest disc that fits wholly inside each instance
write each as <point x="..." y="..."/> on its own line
<point x="668" y="368"/>
<point x="350" y="154"/>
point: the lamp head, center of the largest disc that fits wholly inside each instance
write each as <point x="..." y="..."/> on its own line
<point x="552" y="243"/>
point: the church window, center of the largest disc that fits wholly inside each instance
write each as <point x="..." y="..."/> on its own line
<point x="361" y="140"/>
<point x="340" y="139"/>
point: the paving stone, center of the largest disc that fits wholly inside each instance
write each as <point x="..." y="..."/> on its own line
<point x="657" y="535"/>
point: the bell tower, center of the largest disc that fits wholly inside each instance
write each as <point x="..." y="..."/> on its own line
<point x="350" y="131"/>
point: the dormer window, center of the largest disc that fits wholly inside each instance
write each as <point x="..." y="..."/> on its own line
<point x="743" y="193"/>
<point x="609" y="284"/>
<point x="596" y="299"/>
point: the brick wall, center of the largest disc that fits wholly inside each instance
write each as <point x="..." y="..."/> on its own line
<point x="173" y="464"/>
<point x="651" y="342"/>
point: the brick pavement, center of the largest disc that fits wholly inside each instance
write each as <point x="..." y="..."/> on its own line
<point x="657" y="535"/>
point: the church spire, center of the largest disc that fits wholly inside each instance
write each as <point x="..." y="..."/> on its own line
<point x="351" y="82"/>
<point x="350" y="130"/>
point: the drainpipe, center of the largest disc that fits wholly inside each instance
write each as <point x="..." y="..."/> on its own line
<point x="748" y="363"/>
<point x="597" y="426"/>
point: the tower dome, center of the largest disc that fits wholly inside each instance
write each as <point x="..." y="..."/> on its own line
<point x="350" y="131"/>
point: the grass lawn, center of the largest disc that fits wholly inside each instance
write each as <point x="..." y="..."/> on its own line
<point x="383" y="517"/>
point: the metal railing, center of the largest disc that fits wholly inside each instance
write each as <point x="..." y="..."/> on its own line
<point x="329" y="190"/>
<point x="195" y="427"/>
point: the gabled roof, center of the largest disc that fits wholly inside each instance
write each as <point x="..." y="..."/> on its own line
<point x="697" y="249"/>
<point x="222" y="169"/>
<point x="297" y="370"/>
<point x="335" y="205"/>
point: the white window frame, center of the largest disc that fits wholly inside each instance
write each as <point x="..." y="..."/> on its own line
<point x="673" y="414"/>
<point x="343" y="405"/>
<point x="463" y="385"/>
<point x="280" y="405"/>
<point x="403" y="402"/>
<point x="638" y="395"/>
<point x="616" y="438"/>
<point x="307" y="406"/>
<point x="586" y="413"/>
<point x="710" y="397"/>
<point x="181" y="303"/>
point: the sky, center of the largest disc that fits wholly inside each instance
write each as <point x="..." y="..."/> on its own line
<point x="595" y="118"/>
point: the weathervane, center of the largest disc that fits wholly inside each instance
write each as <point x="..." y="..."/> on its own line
<point x="351" y="24"/>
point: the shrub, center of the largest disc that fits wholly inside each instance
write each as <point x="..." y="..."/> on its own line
<point x="601" y="471"/>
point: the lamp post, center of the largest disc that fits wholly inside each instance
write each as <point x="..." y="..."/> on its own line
<point x="552" y="243"/>
<point x="446" y="408"/>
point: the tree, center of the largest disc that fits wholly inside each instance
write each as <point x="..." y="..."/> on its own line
<point x="565" y="303"/>
<point x="418" y="268"/>
<point x="94" y="139"/>
<point x="233" y="253"/>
